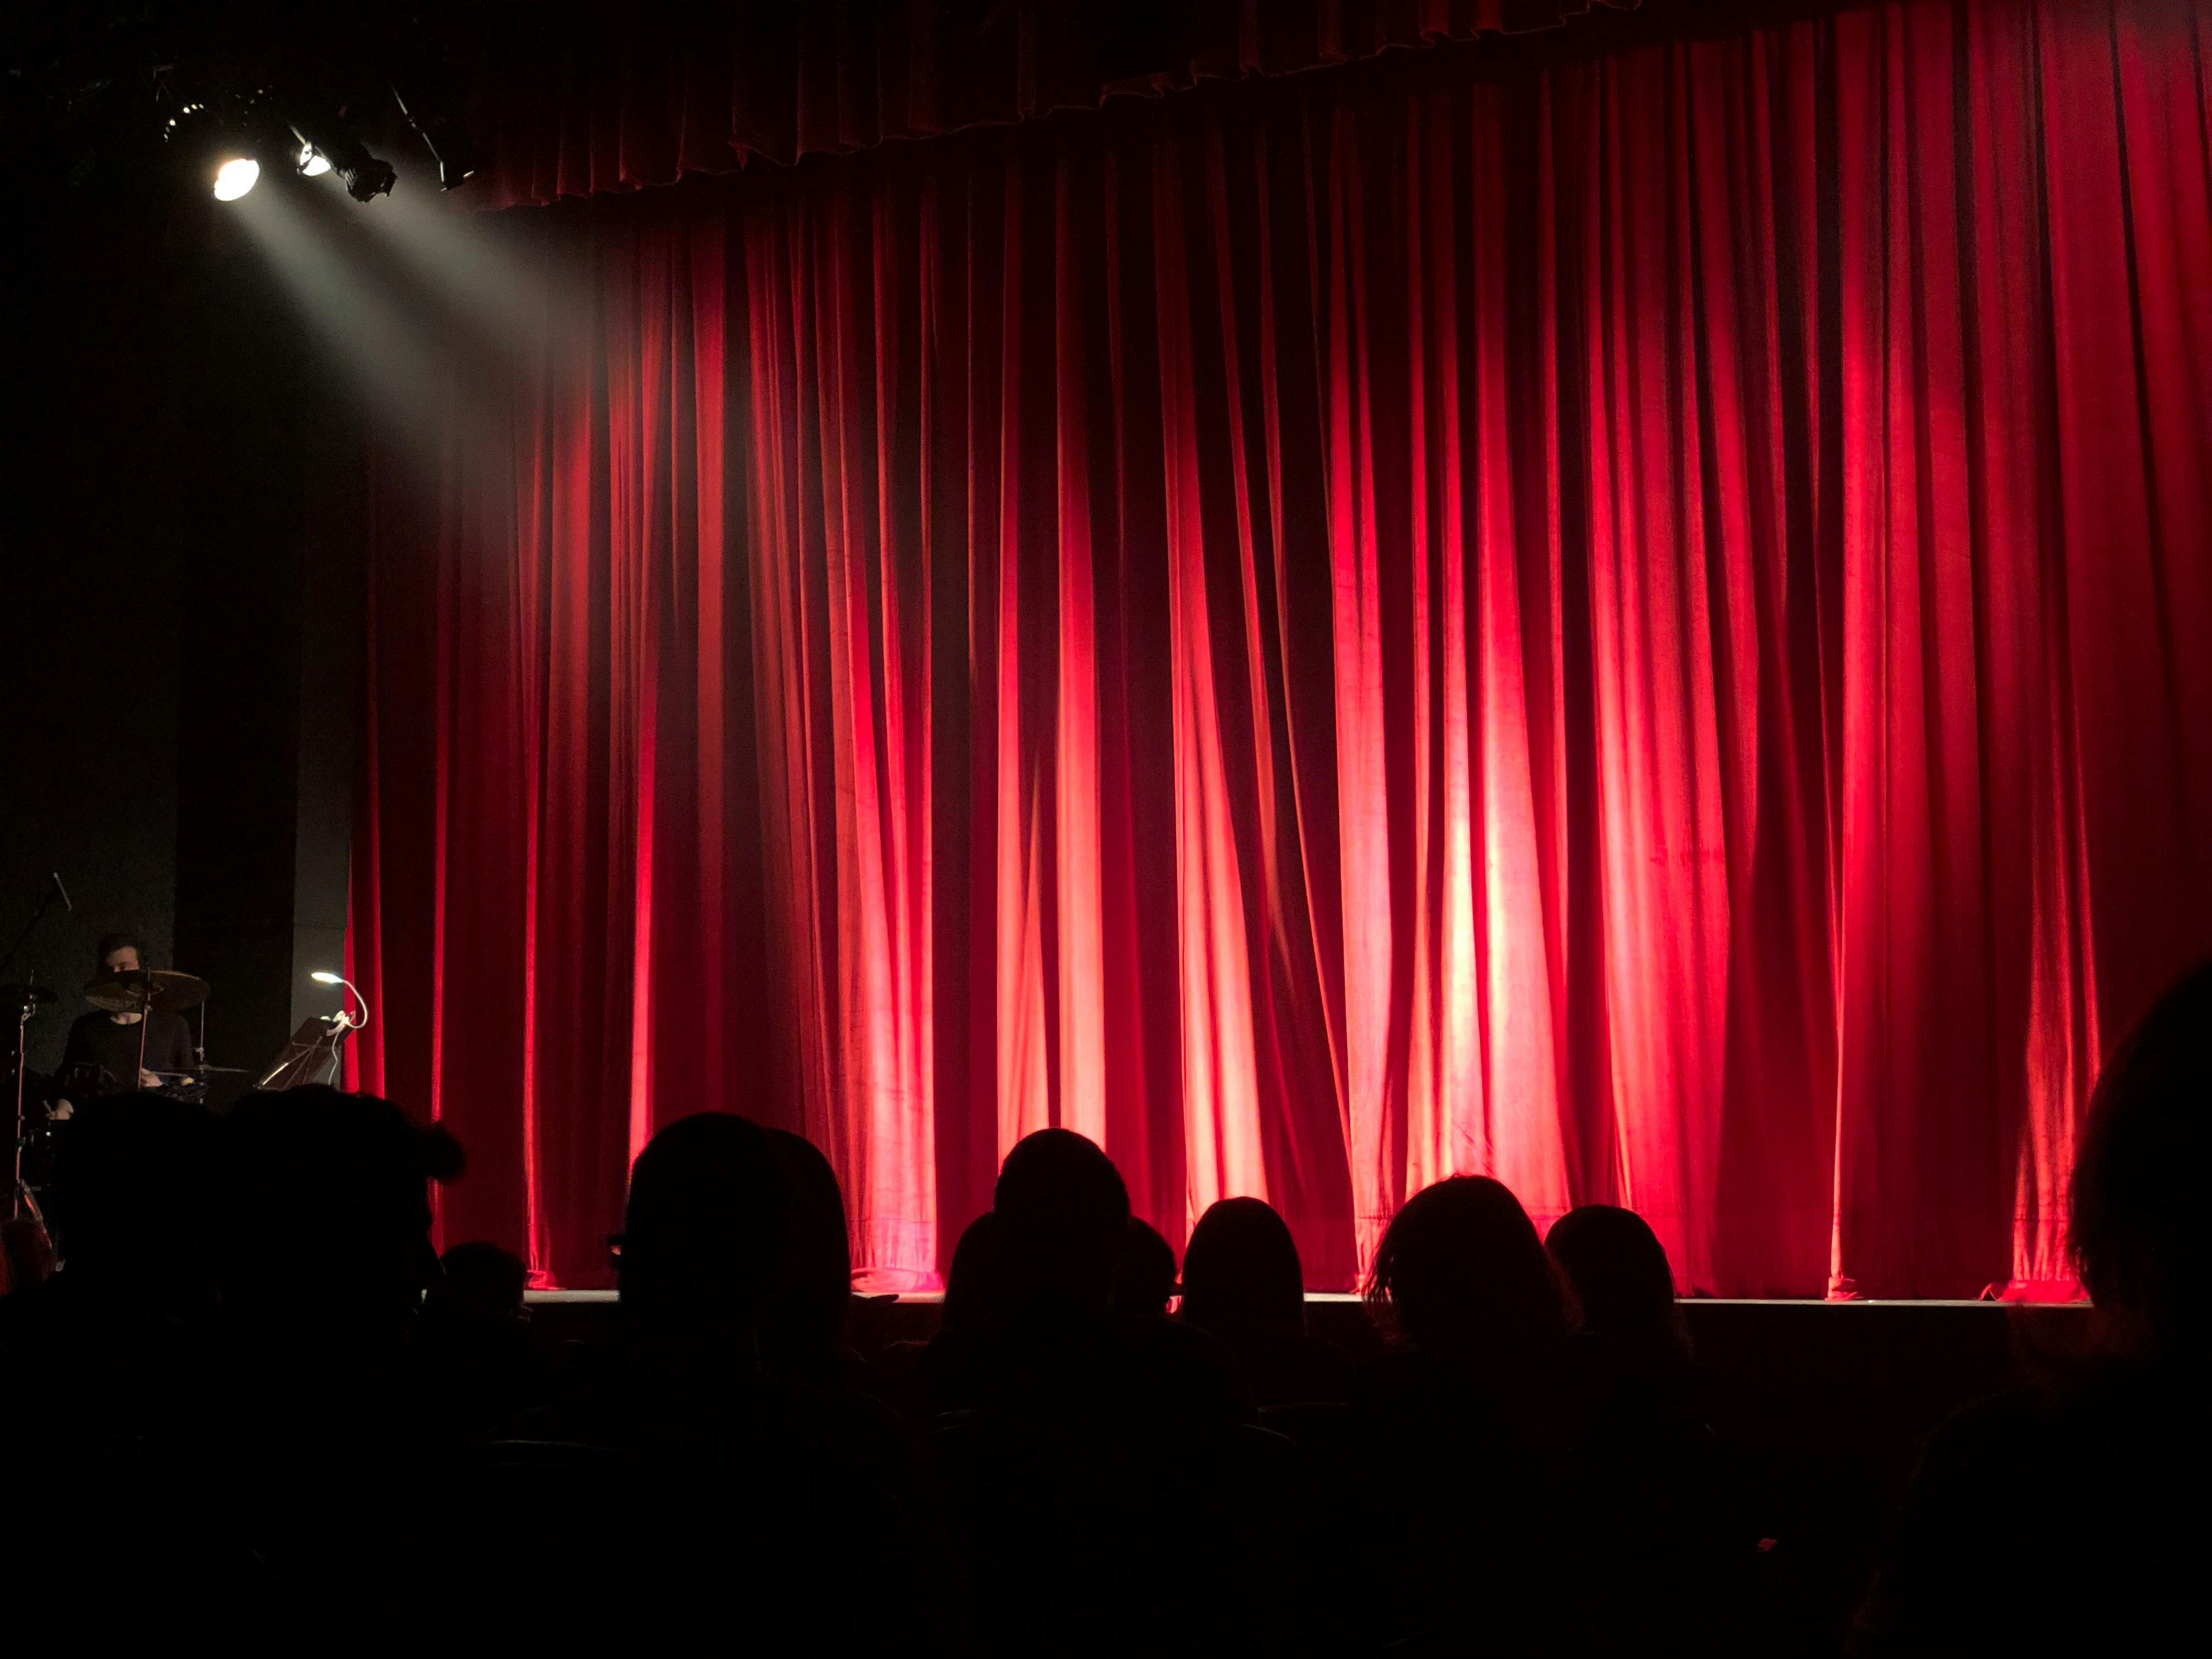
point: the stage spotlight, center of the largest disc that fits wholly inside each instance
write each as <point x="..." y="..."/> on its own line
<point x="369" y="179"/>
<point x="235" y="177"/>
<point x="314" y="164"/>
<point x="217" y="143"/>
<point x="325" y="134"/>
<point x="322" y="978"/>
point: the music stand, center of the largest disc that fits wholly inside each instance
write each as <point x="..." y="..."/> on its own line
<point x="312" y="1050"/>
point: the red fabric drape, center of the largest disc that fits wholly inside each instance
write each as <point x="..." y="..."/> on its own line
<point x="1635" y="628"/>
<point x="617" y="104"/>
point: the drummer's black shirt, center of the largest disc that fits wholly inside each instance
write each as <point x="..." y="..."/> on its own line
<point x="99" y="1041"/>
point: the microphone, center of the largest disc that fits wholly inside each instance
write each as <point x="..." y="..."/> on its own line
<point x="62" y="891"/>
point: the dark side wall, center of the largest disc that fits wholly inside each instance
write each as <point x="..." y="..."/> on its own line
<point x="175" y="584"/>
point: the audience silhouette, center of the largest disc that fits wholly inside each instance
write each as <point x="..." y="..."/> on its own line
<point x="1144" y="1272"/>
<point x="750" y="1502"/>
<point x="1477" y="1417"/>
<point x="1072" y="1471"/>
<point x="803" y="1324"/>
<point x="2069" y="1517"/>
<point x="287" y="1421"/>
<point x="1242" y="1284"/>
<point x="1623" y="1287"/>
<point x="473" y="1351"/>
<point x="107" y="1383"/>
<point x="1674" y="1440"/>
<point x="974" y="1292"/>
<point x="328" y="1440"/>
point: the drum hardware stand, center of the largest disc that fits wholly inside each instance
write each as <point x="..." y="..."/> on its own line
<point x="20" y="1198"/>
<point x="19" y="1194"/>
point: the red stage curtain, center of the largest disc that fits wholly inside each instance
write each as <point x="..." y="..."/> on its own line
<point x="643" y="101"/>
<point x="1640" y="628"/>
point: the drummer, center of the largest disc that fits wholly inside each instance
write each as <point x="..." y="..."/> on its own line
<point x="109" y="1043"/>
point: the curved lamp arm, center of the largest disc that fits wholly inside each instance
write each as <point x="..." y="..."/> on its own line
<point x="351" y="1021"/>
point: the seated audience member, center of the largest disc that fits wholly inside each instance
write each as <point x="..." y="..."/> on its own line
<point x="126" y="1314"/>
<point x="1622" y="1283"/>
<point x="1144" y="1272"/>
<point x="971" y="1300"/>
<point x="473" y="1339"/>
<point x="478" y="1285"/>
<point x="2068" y="1518"/>
<point x="753" y="1509"/>
<point x="129" y="1207"/>
<point x="333" y="1454"/>
<point x="105" y="1378"/>
<point x="1480" y="1426"/>
<point x="1242" y="1284"/>
<point x="1074" y="1503"/>
<point x="1051" y="1342"/>
<point x="122" y="1328"/>
<point x="803" y="1323"/>
<point x="1686" y="1510"/>
<point x="974" y="1288"/>
<point x="325" y="1212"/>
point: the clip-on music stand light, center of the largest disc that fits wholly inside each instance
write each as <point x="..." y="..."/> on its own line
<point x="317" y="1046"/>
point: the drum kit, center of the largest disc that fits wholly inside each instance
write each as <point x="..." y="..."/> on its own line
<point x="41" y="1103"/>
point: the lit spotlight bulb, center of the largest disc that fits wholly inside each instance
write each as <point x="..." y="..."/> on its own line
<point x="314" y="164"/>
<point x="234" y="178"/>
<point x="321" y="978"/>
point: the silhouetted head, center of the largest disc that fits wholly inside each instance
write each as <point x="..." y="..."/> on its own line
<point x="1460" y="1270"/>
<point x="974" y="1292"/>
<point x="1144" y="1272"/>
<point x="127" y="1201"/>
<point x="703" y="1236"/>
<point x="480" y="1283"/>
<point x="2140" y="1232"/>
<point x="1617" y="1268"/>
<point x="805" y="1319"/>
<point x="1241" y="1277"/>
<point x="326" y="1209"/>
<point x="1061" y="1208"/>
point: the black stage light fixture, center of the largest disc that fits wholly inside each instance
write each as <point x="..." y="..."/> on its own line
<point x="220" y="142"/>
<point x="446" y="140"/>
<point x="324" y="137"/>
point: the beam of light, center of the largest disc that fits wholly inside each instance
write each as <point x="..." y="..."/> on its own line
<point x="535" y="308"/>
<point x="415" y="382"/>
<point x="235" y="177"/>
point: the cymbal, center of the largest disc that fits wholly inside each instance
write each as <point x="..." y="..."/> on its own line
<point x="17" y="996"/>
<point x="162" y="989"/>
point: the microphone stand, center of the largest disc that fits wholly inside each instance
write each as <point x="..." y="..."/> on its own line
<point x="24" y="938"/>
